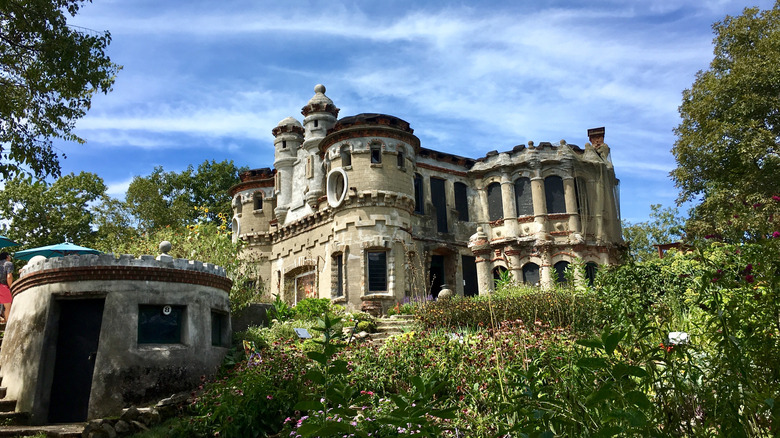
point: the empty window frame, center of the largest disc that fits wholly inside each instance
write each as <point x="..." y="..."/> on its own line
<point x="338" y="266"/>
<point x="219" y="329"/>
<point x="376" y="154"/>
<point x="346" y="156"/>
<point x="531" y="273"/>
<point x="560" y="271"/>
<point x="439" y="201"/>
<point x="257" y="200"/>
<point x="553" y="192"/>
<point x="591" y="268"/>
<point x="461" y="201"/>
<point x="418" y="194"/>
<point x="524" y="201"/>
<point x="376" y="262"/>
<point x="401" y="160"/>
<point x="495" y="202"/>
<point x="160" y="324"/>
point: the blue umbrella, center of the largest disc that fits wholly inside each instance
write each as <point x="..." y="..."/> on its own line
<point x="4" y="241"/>
<point x="58" y="250"/>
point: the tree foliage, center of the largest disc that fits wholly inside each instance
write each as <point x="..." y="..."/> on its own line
<point x="49" y="72"/>
<point x="167" y="198"/>
<point x="39" y="213"/>
<point x="665" y="226"/>
<point x="727" y="142"/>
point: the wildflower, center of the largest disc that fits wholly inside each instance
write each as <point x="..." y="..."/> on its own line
<point x="269" y="397"/>
<point x="776" y="234"/>
<point x="749" y="278"/>
<point x="776" y="198"/>
<point x="757" y="204"/>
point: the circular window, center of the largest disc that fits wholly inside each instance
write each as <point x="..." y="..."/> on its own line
<point x="336" y="187"/>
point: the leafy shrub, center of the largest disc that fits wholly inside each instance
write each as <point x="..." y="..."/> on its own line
<point x="312" y="308"/>
<point x="560" y="308"/>
<point x="365" y="322"/>
<point x="281" y="311"/>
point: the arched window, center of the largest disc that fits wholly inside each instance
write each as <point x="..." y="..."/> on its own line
<point x="560" y="271"/>
<point x="553" y="192"/>
<point x="257" y="199"/>
<point x="499" y="273"/>
<point x="234" y="230"/>
<point x="376" y="154"/>
<point x="591" y="269"/>
<point x="346" y="156"/>
<point x="401" y="160"/>
<point x="523" y="199"/>
<point x="495" y="203"/>
<point x="531" y="273"/>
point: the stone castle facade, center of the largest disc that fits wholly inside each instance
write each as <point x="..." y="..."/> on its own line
<point x="355" y="210"/>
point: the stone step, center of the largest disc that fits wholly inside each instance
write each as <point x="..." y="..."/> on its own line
<point x="393" y="322"/>
<point x="403" y="317"/>
<point x="7" y="405"/>
<point x="53" y="430"/>
<point x="15" y="418"/>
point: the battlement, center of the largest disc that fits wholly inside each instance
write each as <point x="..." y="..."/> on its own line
<point x="123" y="260"/>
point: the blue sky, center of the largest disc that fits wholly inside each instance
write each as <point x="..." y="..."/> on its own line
<point x="209" y="80"/>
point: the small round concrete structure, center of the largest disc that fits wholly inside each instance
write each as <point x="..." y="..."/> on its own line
<point x="89" y="335"/>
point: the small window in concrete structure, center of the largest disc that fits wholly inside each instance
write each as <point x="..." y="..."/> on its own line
<point x="461" y="201"/>
<point x="316" y="123"/>
<point x="401" y="160"/>
<point x="560" y="271"/>
<point x="439" y="201"/>
<point x="338" y="265"/>
<point x="346" y="156"/>
<point x="523" y="199"/>
<point x="418" y="194"/>
<point x="531" y="273"/>
<point x="376" y="154"/>
<point x="377" y="271"/>
<point x="219" y="329"/>
<point x="591" y="269"/>
<point x="553" y="191"/>
<point x="160" y="324"/>
<point x="284" y="144"/>
<point x="257" y="199"/>
<point x="495" y="203"/>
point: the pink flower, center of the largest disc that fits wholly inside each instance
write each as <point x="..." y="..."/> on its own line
<point x="269" y="397"/>
<point x="757" y="204"/>
<point x="776" y="198"/>
<point x="776" y="234"/>
<point x="749" y="278"/>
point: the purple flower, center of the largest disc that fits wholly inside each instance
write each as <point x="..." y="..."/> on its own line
<point x="757" y="204"/>
<point x="776" y="234"/>
<point x="776" y="198"/>
<point x="749" y="278"/>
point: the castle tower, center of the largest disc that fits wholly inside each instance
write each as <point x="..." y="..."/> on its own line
<point x="288" y="136"/>
<point x="319" y="116"/>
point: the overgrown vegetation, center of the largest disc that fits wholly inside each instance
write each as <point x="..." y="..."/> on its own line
<point x="601" y="361"/>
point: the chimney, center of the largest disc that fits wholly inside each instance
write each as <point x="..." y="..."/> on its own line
<point x="596" y="137"/>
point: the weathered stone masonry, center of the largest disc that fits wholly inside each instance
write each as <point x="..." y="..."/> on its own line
<point x="355" y="210"/>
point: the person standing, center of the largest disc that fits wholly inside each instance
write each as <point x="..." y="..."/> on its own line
<point x="6" y="280"/>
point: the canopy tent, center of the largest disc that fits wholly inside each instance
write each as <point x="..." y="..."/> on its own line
<point x="5" y="242"/>
<point x="58" y="250"/>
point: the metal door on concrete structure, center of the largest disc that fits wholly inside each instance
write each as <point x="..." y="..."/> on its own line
<point x="78" y="334"/>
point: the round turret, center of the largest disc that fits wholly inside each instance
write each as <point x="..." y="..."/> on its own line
<point x="320" y="114"/>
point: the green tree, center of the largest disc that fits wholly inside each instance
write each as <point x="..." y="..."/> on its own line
<point x="40" y="214"/>
<point x="727" y="142"/>
<point x="49" y="72"/>
<point x="665" y="226"/>
<point x="169" y="198"/>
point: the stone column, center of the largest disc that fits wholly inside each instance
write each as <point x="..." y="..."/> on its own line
<point x="284" y="170"/>
<point x="510" y="210"/>
<point x="540" y="207"/>
<point x="570" y="195"/>
<point x="480" y="247"/>
<point x="546" y="272"/>
<point x="483" y="204"/>
<point x="514" y="264"/>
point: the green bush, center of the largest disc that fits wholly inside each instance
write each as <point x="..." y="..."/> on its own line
<point x="312" y="308"/>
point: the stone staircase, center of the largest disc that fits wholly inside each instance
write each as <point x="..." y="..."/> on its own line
<point x="391" y="326"/>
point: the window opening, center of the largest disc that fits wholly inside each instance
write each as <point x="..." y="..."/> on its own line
<point x="219" y="329"/>
<point x="560" y="270"/>
<point x="418" y="194"/>
<point x="377" y="271"/>
<point x="160" y="324"/>
<point x="531" y="274"/>
<point x="553" y="191"/>
<point x="591" y="269"/>
<point x="401" y="160"/>
<point x="439" y="201"/>
<point x="346" y="156"/>
<point x="376" y="154"/>
<point x="498" y="273"/>
<point x="523" y="198"/>
<point x="495" y="203"/>
<point x="461" y="201"/>
<point x="284" y="144"/>
<point x="339" y="259"/>
<point x="258" y="200"/>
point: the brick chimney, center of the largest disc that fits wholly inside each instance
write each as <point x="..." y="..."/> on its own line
<point x="596" y="137"/>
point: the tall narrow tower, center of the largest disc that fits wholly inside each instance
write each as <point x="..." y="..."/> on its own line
<point x="288" y="136"/>
<point x="319" y="116"/>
